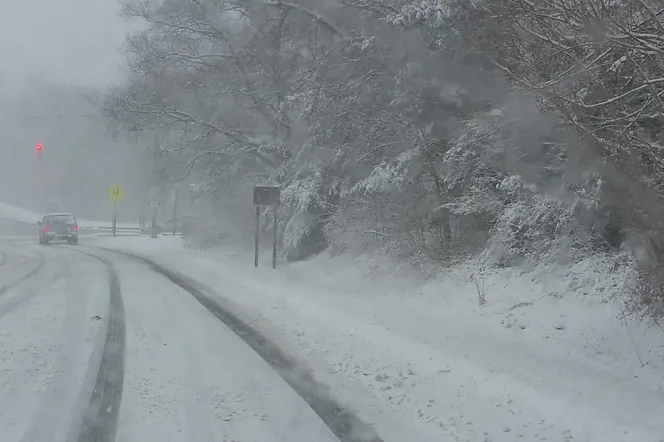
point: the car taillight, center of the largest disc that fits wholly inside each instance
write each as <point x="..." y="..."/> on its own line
<point x="46" y="229"/>
<point x="75" y="228"/>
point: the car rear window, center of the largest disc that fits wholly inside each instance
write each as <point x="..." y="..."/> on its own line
<point x="62" y="219"/>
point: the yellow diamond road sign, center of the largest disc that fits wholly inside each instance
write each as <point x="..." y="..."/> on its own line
<point x="115" y="194"/>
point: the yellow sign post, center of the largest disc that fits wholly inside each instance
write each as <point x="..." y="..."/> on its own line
<point x="115" y="194"/>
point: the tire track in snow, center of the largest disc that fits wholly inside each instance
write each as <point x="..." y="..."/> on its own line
<point x="345" y="425"/>
<point x="100" y="420"/>
<point x="35" y="270"/>
<point x="197" y="405"/>
<point x="25" y="295"/>
<point x="48" y="415"/>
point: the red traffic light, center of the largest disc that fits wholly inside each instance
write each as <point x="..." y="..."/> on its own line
<point x="38" y="147"/>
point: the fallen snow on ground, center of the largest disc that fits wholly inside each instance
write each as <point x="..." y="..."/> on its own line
<point x="189" y="378"/>
<point x="48" y="343"/>
<point x="18" y="214"/>
<point x="547" y="357"/>
<point x="14" y="213"/>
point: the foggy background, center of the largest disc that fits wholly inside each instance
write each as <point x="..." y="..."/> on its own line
<point x="511" y="132"/>
<point x="70" y="42"/>
<point x="58" y="60"/>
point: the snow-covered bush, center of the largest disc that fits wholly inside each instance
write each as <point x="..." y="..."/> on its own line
<point x="409" y="131"/>
<point x="647" y="293"/>
<point x="532" y="227"/>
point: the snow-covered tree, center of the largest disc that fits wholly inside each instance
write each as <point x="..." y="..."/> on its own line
<point x="431" y="128"/>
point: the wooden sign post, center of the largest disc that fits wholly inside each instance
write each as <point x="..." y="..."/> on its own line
<point x="266" y="196"/>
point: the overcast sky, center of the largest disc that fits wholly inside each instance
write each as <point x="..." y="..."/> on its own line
<point x="72" y="41"/>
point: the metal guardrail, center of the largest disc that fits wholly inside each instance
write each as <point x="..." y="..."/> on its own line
<point x="109" y="228"/>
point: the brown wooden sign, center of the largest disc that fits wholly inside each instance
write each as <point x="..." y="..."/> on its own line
<point x="267" y="195"/>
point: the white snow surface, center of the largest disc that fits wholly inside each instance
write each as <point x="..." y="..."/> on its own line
<point x="187" y="377"/>
<point x="27" y="216"/>
<point x="190" y="378"/>
<point x="548" y="358"/>
<point x="48" y="342"/>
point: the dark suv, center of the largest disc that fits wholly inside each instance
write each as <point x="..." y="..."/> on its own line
<point x="58" y="227"/>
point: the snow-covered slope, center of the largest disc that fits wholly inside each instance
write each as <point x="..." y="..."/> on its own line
<point x="18" y="214"/>
<point x="547" y="357"/>
<point x="15" y="213"/>
<point x="83" y="358"/>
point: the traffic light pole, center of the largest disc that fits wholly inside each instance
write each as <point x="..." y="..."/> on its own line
<point x="42" y="178"/>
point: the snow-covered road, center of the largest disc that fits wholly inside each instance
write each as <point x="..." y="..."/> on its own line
<point x="136" y="339"/>
<point x="95" y="346"/>
<point x="421" y="368"/>
<point x="49" y="344"/>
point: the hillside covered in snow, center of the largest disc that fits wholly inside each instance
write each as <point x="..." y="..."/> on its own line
<point x="509" y="134"/>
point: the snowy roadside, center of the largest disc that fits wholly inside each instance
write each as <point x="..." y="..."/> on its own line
<point x="19" y="214"/>
<point x="188" y="377"/>
<point x="545" y="358"/>
<point x="49" y="340"/>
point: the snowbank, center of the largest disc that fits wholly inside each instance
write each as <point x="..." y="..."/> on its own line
<point x="18" y="214"/>
<point x="14" y="213"/>
<point x="546" y="358"/>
